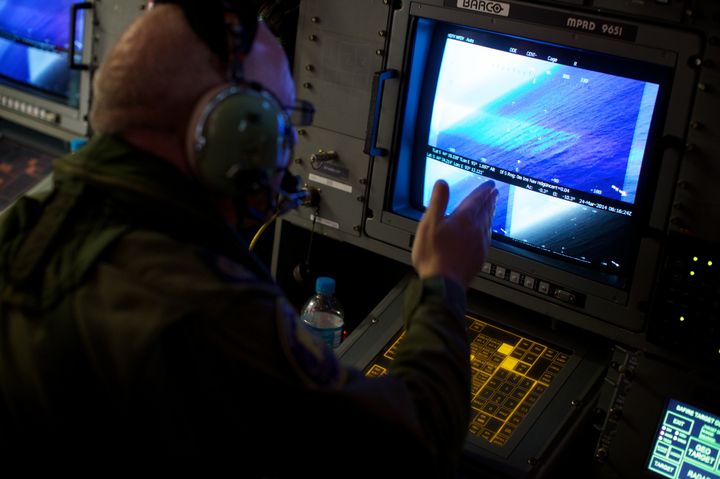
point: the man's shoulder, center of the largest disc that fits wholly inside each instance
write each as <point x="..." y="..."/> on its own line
<point x="159" y="259"/>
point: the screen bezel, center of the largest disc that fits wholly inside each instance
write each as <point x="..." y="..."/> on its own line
<point x="421" y="114"/>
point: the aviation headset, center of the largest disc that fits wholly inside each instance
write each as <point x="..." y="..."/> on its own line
<point x="239" y="132"/>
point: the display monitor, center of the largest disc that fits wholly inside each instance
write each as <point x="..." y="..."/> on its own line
<point x="564" y="133"/>
<point x="581" y="131"/>
<point x="686" y="444"/>
<point x="34" y="47"/>
<point x="44" y="81"/>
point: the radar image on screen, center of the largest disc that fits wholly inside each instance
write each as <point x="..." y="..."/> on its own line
<point x="34" y="47"/>
<point x="561" y="133"/>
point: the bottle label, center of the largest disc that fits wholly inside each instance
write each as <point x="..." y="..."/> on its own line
<point x="327" y="327"/>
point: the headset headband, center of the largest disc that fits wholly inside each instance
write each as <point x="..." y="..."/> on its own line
<point x="239" y="19"/>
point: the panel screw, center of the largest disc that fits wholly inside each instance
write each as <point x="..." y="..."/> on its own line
<point x="315" y="19"/>
<point x="307" y="85"/>
<point x="298" y="161"/>
<point x="379" y="52"/>
<point x="312" y="37"/>
<point x="361" y="199"/>
<point x="301" y="132"/>
<point x="357" y="228"/>
<point x="363" y="181"/>
<point x="382" y="33"/>
<point x="532" y="461"/>
<point x="309" y="68"/>
<point x="601" y="454"/>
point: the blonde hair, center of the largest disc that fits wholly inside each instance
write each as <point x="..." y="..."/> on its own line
<point x="153" y="76"/>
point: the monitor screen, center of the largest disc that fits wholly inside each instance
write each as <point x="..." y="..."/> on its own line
<point x="564" y="133"/>
<point x="686" y="444"/>
<point x="34" y="48"/>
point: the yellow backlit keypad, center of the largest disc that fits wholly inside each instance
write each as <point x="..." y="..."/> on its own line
<point x="509" y="375"/>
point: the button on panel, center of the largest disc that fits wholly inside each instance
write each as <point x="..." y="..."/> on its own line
<point x="546" y="288"/>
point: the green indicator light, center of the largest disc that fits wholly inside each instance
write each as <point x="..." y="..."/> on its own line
<point x="696" y="259"/>
<point x="692" y="273"/>
<point x="710" y="263"/>
<point x="682" y="318"/>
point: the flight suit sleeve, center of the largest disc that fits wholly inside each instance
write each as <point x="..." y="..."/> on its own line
<point x="433" y="361"/>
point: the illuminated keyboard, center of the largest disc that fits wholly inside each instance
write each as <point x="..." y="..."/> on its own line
<point x="509" y="375"/>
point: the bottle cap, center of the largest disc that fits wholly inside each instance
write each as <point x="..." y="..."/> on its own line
<point x="325" y="285"/>
<point x="77" y="143"/>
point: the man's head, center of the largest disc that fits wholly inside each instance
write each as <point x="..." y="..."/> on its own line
<point x="151" y="82"/>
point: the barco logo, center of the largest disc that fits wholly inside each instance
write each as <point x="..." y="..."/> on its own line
<point x="495" y="8"/>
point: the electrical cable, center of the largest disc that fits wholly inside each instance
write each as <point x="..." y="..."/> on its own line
<point x="262" y="229"/>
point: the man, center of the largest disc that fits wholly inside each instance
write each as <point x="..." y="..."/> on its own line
<point x="136" y="327"/>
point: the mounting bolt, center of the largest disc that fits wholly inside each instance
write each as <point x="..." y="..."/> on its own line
<point x="379" y="52"/>
<point x="576" y="403"/>
<point x="601" y="454"/>
<point x="382" y="33"/>
<point x="315" y="19"/>
<point x="312" y="37"/>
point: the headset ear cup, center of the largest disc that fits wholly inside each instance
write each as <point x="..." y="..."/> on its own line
<point x="194" y="135"/>
<point x="236" y="132"/>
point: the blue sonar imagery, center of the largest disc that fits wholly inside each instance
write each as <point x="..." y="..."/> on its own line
<point x="34" y="41"/>
<point x="576" y="128"/>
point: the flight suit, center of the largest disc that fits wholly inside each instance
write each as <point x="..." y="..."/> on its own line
<point x="136" y="325"/>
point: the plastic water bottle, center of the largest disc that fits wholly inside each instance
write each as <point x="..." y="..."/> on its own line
<point x="323" y="314"/>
